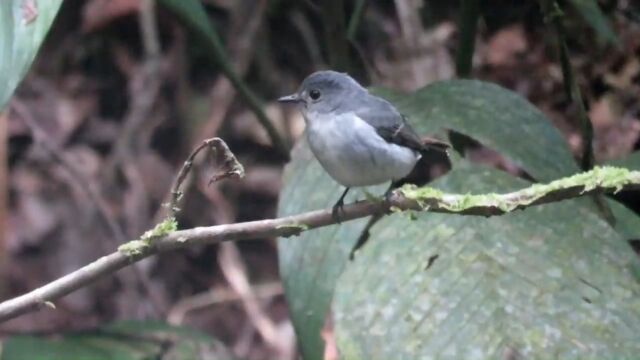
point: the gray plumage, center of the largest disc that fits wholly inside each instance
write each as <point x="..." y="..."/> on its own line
<point x="360" y="139"/>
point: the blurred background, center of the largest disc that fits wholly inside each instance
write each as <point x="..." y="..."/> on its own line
<point x="120" y="93"/>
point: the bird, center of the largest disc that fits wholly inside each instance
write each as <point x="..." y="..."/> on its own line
<point x="359" y="139"/>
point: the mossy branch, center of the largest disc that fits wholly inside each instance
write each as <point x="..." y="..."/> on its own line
<point x="598" y="180"/>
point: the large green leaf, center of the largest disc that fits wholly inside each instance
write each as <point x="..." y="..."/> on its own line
<point x="496" y="117"/>
<point x="123" y="341"/>
<point x="553" y="281"/>
<point x="310" y="263"/>
<point x="631" y="161"/>
<point x="23" y="26"/>
<point x="627" y="221"/>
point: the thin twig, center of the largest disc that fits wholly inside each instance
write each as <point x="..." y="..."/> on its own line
<point x="598" y="180"/>
<point x="235" y="272"/>
<point x="230" y="167"/>
<point x="218" y="296"/>
<point x="4" y="189"/>
<point x="149" y="28"/>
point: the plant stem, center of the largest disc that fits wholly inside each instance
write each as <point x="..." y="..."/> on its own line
<point x="333" y="19"/>
<point x="467" y="27"/>
<point x="355" y="19"/>
<point x="424" y="199"/>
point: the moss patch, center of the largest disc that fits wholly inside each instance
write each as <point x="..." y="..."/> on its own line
<point x="599" y="177"/>
<point x="137" y="247"/>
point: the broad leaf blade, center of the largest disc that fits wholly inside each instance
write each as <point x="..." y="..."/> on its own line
<point x="631" y="161"/>
<point x="553" y="279"/>
<point x="23" y="26"/>
<point x="627" y="221"/>
<point x="310" y="263"/>
<point x="496" y="117"/>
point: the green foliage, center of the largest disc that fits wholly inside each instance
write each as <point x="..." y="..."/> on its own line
<point x="632" y="161"/>
<point x="194" y="16"/>
<point x="311" y="262"/>
<point x="627" y="222"/>
<point x="493" y="115"/>
<point x="553" y="280"/>
<point x="603" y="177"/>
<point x="21" y="33"/>
<point x="165" y="227"/>
<point x="138" y="247"/>
<point x="123" y="341"/>
<point x="591" y="13"/>
<point x="552" y="246"/>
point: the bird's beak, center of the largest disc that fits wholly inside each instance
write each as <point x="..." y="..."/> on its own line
<point x="293" y="98"/>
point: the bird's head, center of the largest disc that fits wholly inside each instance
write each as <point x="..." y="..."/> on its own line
<point x="325" y="92"/>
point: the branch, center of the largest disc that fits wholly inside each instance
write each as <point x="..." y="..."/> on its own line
<point x="231" y="167"/>
<point x="163" y="238"/>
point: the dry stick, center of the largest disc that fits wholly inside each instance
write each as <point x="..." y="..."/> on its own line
<point x="149" y="28"/>
<point x="240" y="48"/>
<point x="231" y="167"/>
<point x="4" y="190"/>
<point x="218" y="296"/>
<point x="235" y="272"/>
<point x="423" y="199"/>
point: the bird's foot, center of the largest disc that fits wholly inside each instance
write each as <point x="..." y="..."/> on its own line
<point x="336" y="210"/>
<point x="389" y="193"/>
<point x="339" y="206"/>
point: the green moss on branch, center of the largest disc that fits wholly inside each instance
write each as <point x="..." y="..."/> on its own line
<point x="605" y="178"/>
<point x="138" y="247"/>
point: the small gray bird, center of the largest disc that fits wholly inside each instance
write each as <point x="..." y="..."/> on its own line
<point x="359" y="139"/>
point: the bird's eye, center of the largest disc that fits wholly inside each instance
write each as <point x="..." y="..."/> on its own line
<point x="314" y="94"/>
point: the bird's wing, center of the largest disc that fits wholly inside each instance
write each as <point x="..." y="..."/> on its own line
<point x="393" y="126"/>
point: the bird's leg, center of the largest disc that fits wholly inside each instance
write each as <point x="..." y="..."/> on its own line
<point x="394" y="185"/>
<point x="335" y="211"/>
<point x="387" y="195"/>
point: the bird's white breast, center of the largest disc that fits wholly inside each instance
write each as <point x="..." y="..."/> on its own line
<point x="353" y="153"/>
